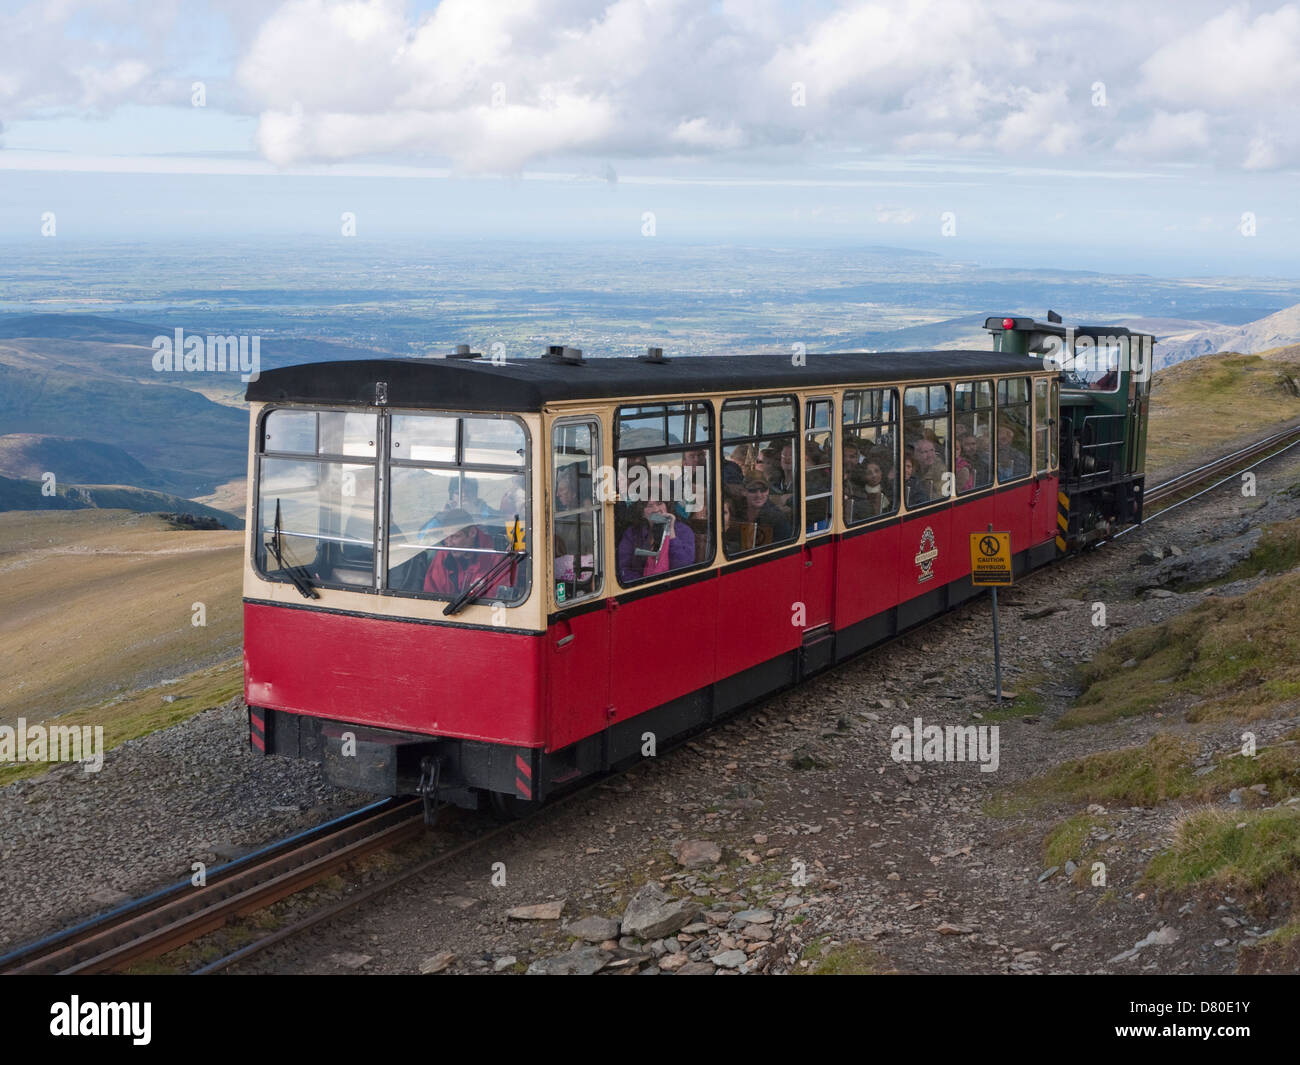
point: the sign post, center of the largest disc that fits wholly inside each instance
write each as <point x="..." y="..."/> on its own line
<point x="990" y="566"/>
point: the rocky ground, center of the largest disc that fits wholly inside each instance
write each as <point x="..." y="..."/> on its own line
<point x="783" y="840"/>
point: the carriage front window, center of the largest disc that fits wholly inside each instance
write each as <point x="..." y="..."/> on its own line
<point x="457" y="503"/>
<point x="458" y="507"/>
<point x="316" y="498"/>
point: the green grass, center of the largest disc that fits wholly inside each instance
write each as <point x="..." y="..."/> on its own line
<point x="1239" y="850"/>
<point x="127" y="717"/>
<point x="1160" y="770"/>
<point x="1278" y="551"/>
<point x="854" y="958"/>
<point x="1232" y="396"/>
<point x="1069" y="841"/>
<point x="1237" y="655"/>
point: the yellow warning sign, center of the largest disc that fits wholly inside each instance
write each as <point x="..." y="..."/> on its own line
<point x="990" y="558"/>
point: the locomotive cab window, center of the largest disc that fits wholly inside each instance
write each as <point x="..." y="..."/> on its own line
<point x="663" y="516"/>
<point x="973" y="435"/>
<point x="870" y="454"/>
<point x="1013" y="429"/>
<point x="926" y="458"/>
<point x="458" y="507"/>
<point x="316" y="498"/>
<point x="576" y="511"/>
<point x="760" y="473"/>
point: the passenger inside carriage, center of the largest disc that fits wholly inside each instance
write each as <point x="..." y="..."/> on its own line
<point x="655" y="543"/>
<point x="927" y="472"/>
<point x="1012" y="461"/>
<point x="771" y="523"/>
<point x="462" y="554"/>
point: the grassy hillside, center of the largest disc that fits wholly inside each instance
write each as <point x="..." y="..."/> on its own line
<point x="26" y="495"/>
<point x="93" y="603"/>
<point x="27" y="457"/>
<point x="1201" y="406"/>
<point x="161" y="423"/>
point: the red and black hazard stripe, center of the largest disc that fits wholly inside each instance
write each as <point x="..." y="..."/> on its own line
<point x="523" y="777"/>
<point x="256" y="729"/>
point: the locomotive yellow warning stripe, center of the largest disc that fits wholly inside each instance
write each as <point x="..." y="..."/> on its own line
<point x="1062" y="520"/>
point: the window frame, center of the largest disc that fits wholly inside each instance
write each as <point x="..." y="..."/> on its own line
<point x="382" y="464"/>
<point x="928" y="416"/>
<point x="992" y="411"/>
<point x="1042" y="461"/>
<point x="1028" y="407"/>
<point x="258" y="552"/>
<point x="809" y="430"/>
<point x="667" y="448"/>
<point x="847" y="428"/>
<point x="795" y="435"/>
<point x="462" y="468"/>
<point x="596" y="508"/>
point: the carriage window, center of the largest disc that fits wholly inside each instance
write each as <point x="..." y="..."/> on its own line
<point x="315" y="515"/>
<point x="458" y="507"/>
<point x="973" y="435"/>
<point x="576" y="511"/>
<point x="1054" y="437"/>
<point x="1013" y="429"/>
<point x="759" y="473"/>
<point x="817" y="444"/>
<point x="663" y="516"/>
<point x="1042" y="424"/>
<point x="925" y="445"/>
<point x="870" y="453"/>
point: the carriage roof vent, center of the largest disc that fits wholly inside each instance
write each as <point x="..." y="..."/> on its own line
<point x="569" y="356"/>
<point x="655" y="355"/>
<point x="462" y="352"/>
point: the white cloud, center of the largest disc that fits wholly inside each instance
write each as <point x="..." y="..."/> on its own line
<point x="1230" y="60"/>
<point x="1168" y="135"/>
<point x="699" y="133"/>
<point x="497" y="85"/>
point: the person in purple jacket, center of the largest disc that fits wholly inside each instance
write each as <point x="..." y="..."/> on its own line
<point x="637" y="554"/>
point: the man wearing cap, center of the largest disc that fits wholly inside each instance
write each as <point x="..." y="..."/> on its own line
<point x="463" y="554"/>
<point x="761" y="511"/>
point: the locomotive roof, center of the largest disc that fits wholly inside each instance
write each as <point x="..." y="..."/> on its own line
<point x="528" y="384"/>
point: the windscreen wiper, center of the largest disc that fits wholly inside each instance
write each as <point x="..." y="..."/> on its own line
<point x="510" y="559"/>
<point x="298" y="574"/>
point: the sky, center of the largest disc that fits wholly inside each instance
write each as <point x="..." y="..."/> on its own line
<point x="1145" y="138"/>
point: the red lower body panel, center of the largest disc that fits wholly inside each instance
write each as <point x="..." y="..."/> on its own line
<point x="445" y="680"/>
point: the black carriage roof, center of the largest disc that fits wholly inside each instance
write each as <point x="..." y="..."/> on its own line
<point x="529" y="384"/>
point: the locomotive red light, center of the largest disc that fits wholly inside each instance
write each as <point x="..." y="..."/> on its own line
<point x="1008" y="323"/>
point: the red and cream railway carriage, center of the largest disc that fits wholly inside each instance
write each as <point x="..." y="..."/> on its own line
<point x="456" y="585"/>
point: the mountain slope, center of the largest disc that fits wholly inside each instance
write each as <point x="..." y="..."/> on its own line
<point x="1274" y="331"/>
<point x="27" y="495"/>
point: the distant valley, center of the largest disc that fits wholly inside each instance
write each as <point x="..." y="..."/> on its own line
<point x="80" y="398"/>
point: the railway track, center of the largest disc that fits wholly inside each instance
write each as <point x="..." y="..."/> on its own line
<point x="1237" y="462"/>
<point x="182" y="913"/>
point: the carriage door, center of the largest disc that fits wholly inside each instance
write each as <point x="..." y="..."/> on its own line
<point x="819" y="547"/>
<point x="578" y="633"/>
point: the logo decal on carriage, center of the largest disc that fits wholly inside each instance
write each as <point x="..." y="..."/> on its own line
<point x="926" y="556"/>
